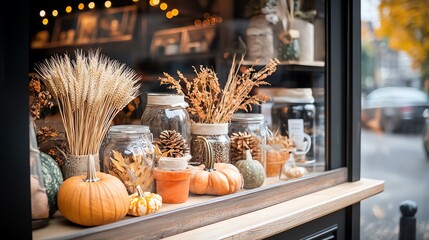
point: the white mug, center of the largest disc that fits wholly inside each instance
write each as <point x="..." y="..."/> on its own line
<point x="302" y="143"/>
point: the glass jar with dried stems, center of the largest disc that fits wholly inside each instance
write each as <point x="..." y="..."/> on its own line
<point x="211" y="108"/>
<point x="90" y="90"/>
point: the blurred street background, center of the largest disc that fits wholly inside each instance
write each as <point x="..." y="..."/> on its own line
<point x="394" y="140"/>
<point x="399" y="160"/>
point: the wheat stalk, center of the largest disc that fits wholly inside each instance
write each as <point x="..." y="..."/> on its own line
<point x="90" y="90"/>
<point x="208" y="103"/>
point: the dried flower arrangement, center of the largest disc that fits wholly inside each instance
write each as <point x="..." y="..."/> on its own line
<point x="208" y="103"/>
<point x="49" y="139"/>
<point x="265" y="7"/>
<point x="281" y="141"/>
<point x="40" y="98"/>
<point x="133" y="172"/>
<point x="90" y="90"/>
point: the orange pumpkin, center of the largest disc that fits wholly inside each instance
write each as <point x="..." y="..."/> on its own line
<point x="98" y="199"/>
<point x="215" y="178"/>
<point x="143" y="203"/>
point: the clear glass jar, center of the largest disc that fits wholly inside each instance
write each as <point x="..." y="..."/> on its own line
<point x="128" y="154"/>
<point x="252" y="129"/>
<point x="166" y="111"/>
<point x="39" y="197"/>
<point x="295" y="103"/>
<point x="217" y="136"/>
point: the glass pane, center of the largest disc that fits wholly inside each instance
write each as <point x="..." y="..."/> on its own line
<point x="156" y="38"/>
<point x="394" y="140"/>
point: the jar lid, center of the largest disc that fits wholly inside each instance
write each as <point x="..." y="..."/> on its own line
<point x="247" y="117"/>
<point x="294" y="95"/>
<point x="166" y="99"/>
<point x="128" y="129"/>
<point x="209" y="128"/>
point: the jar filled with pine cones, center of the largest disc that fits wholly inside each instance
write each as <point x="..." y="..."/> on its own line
<point x="167" y="111"/>
<point x="248" y="131"/>
<point x="172" y="151"/>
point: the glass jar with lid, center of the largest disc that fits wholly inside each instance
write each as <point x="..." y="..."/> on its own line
<point x="39" y="198"/>
<point x="291" y="104"/>
<point x="166" y="111"/>
<point x="248" y="130"/>
<point x="127" y="153"/>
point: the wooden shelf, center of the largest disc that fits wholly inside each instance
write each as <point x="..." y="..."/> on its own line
<point x="297" y="66"/>
<point x="296" y="63"/>
<point x="185" y="57"/>
<point x="198" y="211"/>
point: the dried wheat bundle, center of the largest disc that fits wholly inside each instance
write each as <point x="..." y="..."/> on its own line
<point x="90" y="90"/>
<point x="208" y="103"/>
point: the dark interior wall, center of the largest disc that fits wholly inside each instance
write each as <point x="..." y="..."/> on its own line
<point x="15" y="212"/>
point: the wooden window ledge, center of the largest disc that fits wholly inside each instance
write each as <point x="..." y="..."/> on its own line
<point x="284" y="216"/>
<point x="279" y="205"/>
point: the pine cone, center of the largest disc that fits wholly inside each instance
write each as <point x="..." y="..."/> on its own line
<point x="242" y="141"/>
<point x="172" y="144"/>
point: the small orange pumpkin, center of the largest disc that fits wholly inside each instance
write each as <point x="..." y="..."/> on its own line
<point x="215" y="178"/>
<point x="144" y="203"/>
<point x="98" y="199"/>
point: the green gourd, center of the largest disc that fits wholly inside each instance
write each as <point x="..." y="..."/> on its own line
<point x="252" y="171"/>
<point x="53" y="178"/>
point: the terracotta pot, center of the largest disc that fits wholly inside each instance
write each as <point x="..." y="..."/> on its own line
<point x="275" y="162"/>
<point x="173" y="186"/>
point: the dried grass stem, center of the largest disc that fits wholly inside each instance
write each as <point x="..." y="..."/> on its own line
<point x="208" y="103"/>
<point x="90" y="91"/>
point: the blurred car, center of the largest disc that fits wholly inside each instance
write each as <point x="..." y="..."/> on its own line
<point x="395" y="109"/>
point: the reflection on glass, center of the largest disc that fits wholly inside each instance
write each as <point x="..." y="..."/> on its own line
<point x="165" y="37"/>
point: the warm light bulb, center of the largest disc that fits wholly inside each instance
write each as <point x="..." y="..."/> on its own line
<point x="68" y="9"/>
<point x="169" y="15"/>
<point x="91" y="5"/>
<point x="163" y="6"/>
<point x="45" y="21"/>
<point x="81" y="6"/>
<point x="107" y="4"/>
<point x="54" y="13"/>
<point x="42" y="13"/>
<point x="175" y="12"/>
<point x="154" y="2"/>
<point x="135" y="0"/>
